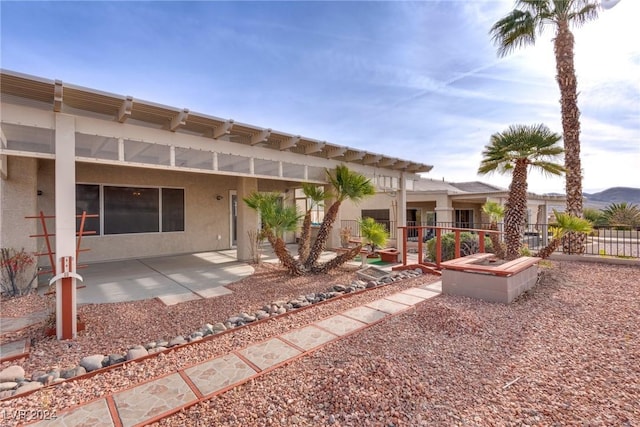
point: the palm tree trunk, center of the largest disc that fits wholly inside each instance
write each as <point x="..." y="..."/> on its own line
<point x="305" y="238"/>
<point x="549" y="249"/>
<point x="338" y="260"/>
<point x="515" y="210"/>
<point x="323" y="235"/>
<point x="498" y="248"/>
<point x="288" y="261"/>
<point x="567" y="81"/>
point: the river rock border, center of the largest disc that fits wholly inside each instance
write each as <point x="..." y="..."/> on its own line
<point x="13" y="381"/>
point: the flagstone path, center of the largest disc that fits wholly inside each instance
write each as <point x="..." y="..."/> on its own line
<point x="161" y="397"/>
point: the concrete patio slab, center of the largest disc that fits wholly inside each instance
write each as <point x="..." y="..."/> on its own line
<point x="14" y="350"/>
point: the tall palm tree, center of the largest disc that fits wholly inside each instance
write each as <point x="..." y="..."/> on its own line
<point x="565" y="224"/>
<point x="316" y="197"/>
<point x="496" y="212"/>
<point x="515" y="151"/>
<point x="519" y="29"/>
<point x="346" y="185"/>
<point x="276" y="220"/>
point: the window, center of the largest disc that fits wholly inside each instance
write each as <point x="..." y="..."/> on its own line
<point x="88" y="200"/>
<point x="172" y="209"/>
<point x="464" y="218"/>
<point x="131" y="210"/>
<point x="128" y="210"/>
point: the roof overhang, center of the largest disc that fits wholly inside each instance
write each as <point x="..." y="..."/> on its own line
<point x="64" y="97"/>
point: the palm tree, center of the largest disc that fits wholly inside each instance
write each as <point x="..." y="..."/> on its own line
<point x="373" y="233"/>
<point x="519" y="29"/>
<point x="515" y="151"/>
<point x="276" y="220"/>
<point x="496" y="212"/>
<point x="622" y="215"/>
<point x="565" y="224"/>
<point x="346" y="185"/>
<point x="316" y="197"/>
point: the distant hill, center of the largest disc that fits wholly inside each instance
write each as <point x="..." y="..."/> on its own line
<point x="612" y="195"/>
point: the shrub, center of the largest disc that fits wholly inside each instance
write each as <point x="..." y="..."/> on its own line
<point x="469" y="244"/>
<point x="17" y="271"/>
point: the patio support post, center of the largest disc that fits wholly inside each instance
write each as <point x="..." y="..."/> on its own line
<point x="401" y="211"/>
<point x="247" y="217"/>
<point x="65" y="217"/>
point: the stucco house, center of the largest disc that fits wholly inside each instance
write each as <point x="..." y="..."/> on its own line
<point x="163" y="180"/>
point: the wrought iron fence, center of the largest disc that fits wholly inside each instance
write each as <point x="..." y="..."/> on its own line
<point x="603" y="241"/>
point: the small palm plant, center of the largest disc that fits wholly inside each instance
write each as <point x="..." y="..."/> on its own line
<point x="374" y="234"/>
<point x="565" y="224"/>
<point x="496" y="212"/>
<point x="622" y="216"/>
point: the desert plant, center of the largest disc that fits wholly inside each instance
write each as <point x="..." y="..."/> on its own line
<point x="622" y="216"/>
<point x="594" y="216"/>
<point x="374" y="234"/>
<point x="520" y="28"/>
<point x="17" y="271"/>
<point x="564" y="224"/>
<point x="515" y="151"/>
<point x="496" y="212"/>
<point x="469" y="244"/>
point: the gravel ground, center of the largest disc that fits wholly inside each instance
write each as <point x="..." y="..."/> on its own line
<point x="114" y="327"/>
<point x="566" y="353"/>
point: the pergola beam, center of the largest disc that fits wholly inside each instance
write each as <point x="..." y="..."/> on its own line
<point x="354" y="155"/>
<point x="179" y="119"/>
<point x="335" y="152"/>
<point x="262" y="136"/>
<point x="400" y="164"/>
<point x="386" y="162"/>
<point x="289" y="143"/>
<point x="315" y="147"/>
<point x="223" y="129"/>
<point x="125" y="109"/>
<point x="57" y="96"/>
<point x="370" y="159"/>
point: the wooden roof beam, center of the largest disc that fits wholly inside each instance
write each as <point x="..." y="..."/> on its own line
<point x="386" y="162"/>
<point x="223" y="129"/>
<point x="289" y="143"/>
<point x="370" y="159"/>
<point x="179" y="120"/>
<point x="335" y="152"/>
<point x="354" y="155"/>
<point x="262" y="136"/>
<point x="125" y="109"/>
<point x="57" y="96"/>
<point x="315" y="147"/>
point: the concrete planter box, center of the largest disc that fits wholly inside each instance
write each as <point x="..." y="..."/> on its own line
<point x="473" y="276"/>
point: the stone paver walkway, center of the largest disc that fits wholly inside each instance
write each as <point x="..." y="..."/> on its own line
<point x="17" y="349"/>
<point x="161" y="397"/>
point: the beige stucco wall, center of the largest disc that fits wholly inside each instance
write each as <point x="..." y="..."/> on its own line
<point x="206" y="218"/>
<point x="18" y="198"/>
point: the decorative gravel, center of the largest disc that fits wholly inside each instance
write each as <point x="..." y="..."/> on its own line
<point x="566" y="353"/>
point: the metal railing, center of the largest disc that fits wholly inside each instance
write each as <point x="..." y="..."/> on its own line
<point x="602" y="241"/>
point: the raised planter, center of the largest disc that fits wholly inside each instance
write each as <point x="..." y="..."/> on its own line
<point x="481" y="276"/>
<point x="388" y="255"/>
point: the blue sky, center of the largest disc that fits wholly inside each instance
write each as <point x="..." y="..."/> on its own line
<point x="415" y="80"/>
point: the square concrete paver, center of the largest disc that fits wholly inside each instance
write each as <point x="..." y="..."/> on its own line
<point x="387" y="306"/>
<point x="340" y="325"/>
<point x="403" y="298"/>
<point x="95" y="414"/>
<point x="14" y="349"/>
<point x="219" y="373"/>
<point x="422" y="293"/>
<point x="365" y="314"/>
<point x="152" y="399"/>
<point x="269" y="353"/>
<point x="308" y="337"/>
<point x="437" y="286"/>
<point x="213" y="292"/>
<point x="173" y="299"/>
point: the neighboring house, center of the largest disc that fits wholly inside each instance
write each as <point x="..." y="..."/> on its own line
<point x="163" y="180"/>
<point x="436" y="202"/>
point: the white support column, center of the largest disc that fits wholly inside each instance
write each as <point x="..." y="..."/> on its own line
<point x="401" y="214"/>
<point x="247" y="217"/>
<point x="65" y="212"/>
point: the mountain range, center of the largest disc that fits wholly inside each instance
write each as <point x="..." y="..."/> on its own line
<point x="612" y="195"/>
